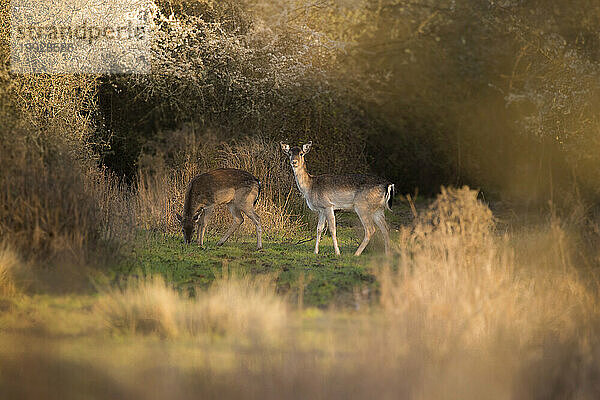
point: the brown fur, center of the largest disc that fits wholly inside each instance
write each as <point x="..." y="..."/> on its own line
<point x="367" y="195"/>
<point x="236" y="188"/>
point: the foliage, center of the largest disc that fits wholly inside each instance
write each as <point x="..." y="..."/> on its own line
<point x="496" y="95"/>
<point x="54" y="200"/>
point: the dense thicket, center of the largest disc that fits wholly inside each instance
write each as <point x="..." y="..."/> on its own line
<point x="499" y="95"/>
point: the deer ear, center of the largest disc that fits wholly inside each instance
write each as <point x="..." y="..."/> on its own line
<point x="197" y="215"/>
<point x="179" y="217"/>
<point x="285" y="147"/>
<point x="306" y="147"/>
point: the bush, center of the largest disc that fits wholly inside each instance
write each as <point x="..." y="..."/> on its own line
<point x="53" y="203"/>
<point x="53" y="198"/>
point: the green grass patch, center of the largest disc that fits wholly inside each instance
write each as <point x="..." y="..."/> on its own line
<point x="321" y="280"/>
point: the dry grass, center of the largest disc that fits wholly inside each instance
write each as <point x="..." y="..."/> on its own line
<point x="279" y="204"/>
<point x="114" y="208"/>
<point x="161" y="187"/>
<point x="235" y="306"/>
<point x="458" y="294"/>
<point x="10" y="268"/>
<point x="57" y="207"/>
<point x="46" y="209"/>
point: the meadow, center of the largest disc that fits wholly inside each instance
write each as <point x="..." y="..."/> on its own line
<point x="463" y="310"/>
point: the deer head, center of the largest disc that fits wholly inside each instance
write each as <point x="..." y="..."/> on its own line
<point x="296" y="154"/>
<point x="188" y="225"/>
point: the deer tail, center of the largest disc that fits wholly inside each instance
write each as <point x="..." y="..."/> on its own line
<point x="389" y="196"/>
<point x="258" y="194"/>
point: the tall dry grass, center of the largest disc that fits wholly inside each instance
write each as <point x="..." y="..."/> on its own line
<point x="11" y="268"/>
<point x="115" y="209"/>
<point x="279" y="205"/>
<point x="459" y="294"/>
<point x="233" y="306"/>
<point x="54" y="205"/>
<point x="163" y="179"/>
<point x="45" y="207"/>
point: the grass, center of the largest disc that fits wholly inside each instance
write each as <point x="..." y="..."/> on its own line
<point x="322" y="279"/>
<point x="161" y="188"/>
<point x="9" y="263"/>
<point x="233" y="305"/>
<point x="308" y="279"/>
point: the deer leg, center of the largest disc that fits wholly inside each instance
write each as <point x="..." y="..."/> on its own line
<point x="208" y="211"/>
<point x="320" y="227"/>
<point x="245" y="202"/>
<point x="331" y="223"/>
<point x="256" y="220"/>
<point x="379" y="218"/>
<point x="237" y="221"/>
<point x="367" y="223"/>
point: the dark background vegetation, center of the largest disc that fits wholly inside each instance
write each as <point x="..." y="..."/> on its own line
<point x="498" y="95"/>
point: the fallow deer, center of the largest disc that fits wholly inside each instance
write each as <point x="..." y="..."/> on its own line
<point x="367" y="195"/>
<point x="236" y="188"/>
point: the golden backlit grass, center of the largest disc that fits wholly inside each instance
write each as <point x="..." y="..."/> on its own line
<point x="242" y="307"/>
<point x="459" y="293"/>
<point x="10" y="266"/>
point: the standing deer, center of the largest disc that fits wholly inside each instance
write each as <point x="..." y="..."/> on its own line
<point x="367" y="195"/>
<point x="236" y="188"/>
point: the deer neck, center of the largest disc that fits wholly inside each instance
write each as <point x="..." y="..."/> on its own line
<point x="303" y="180"/>
<point x="188" y="205"/>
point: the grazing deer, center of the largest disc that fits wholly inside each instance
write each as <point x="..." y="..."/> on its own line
<point x="367" y="195"/>
<point x="236" y="188"/>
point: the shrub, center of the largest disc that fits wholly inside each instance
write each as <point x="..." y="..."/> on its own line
<point x="52" y="203"/>
<point x="53" y="200"/>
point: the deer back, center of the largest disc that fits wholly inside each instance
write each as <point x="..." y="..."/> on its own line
<point x="347" y="191"/>
<point x="216" y="187"/>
